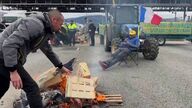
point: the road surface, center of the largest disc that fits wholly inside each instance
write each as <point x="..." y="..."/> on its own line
<point x="163" y="83"/>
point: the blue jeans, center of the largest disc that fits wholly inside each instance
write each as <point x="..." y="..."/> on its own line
<point x="117" y="56"/>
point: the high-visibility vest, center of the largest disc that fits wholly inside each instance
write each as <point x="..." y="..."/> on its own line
<point x="72" y="26"/>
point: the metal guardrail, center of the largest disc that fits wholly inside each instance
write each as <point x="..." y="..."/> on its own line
<point x="94" y="7"/>
<point x="98" y="4"/>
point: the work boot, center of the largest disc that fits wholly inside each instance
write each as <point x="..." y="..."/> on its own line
<point x="103" y="65"/>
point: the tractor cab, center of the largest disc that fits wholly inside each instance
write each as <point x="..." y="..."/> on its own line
<point x="120" y="19"/>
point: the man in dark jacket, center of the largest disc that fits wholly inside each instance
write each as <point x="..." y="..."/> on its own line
<point x="91" y="31"/>
<point x="17" y="41"/>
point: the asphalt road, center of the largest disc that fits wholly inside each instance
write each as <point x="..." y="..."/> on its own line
<point x="163" y="83"/>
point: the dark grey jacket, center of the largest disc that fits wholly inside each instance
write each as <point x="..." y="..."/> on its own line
<point x="24" y="36"/>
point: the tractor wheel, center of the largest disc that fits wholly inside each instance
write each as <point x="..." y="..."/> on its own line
<point x="107" y="42"/>
<point x="107" y="46"/>
<point x="150" y="49"/>
<point x="115" y="44"/>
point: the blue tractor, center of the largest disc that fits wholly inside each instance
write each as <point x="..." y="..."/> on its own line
<point x="120" y="19"/>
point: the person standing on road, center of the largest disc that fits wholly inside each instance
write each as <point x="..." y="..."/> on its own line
<point x="65" y="32"/>
<point x="72" y="31"/>
<point x="91" y="31"/>
<point x="17" y="41"/>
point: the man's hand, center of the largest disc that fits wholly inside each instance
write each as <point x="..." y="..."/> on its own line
<point x="65" y="70"/>
<point x="16" y="80"/>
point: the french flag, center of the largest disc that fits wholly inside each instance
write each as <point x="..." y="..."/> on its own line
<point x="148" y="16"/>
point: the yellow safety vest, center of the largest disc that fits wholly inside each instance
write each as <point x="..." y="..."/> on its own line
<point x="72" y="26"/>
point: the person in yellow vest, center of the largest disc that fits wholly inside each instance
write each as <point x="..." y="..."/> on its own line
<point x="72" y="31"/>
<point x="66" y="33"/>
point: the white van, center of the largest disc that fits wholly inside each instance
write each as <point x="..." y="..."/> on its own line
<point x="9" y="18"/>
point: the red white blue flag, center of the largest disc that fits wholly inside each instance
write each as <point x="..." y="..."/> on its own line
<point x="148" y="16"/>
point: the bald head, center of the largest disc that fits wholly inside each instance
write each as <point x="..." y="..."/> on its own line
<point x="56" y="18"/>
<point x="55" y="13"/>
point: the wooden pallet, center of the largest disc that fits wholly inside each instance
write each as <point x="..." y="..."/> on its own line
<point x="111" y="100"/>
<point x="78" y="87"/>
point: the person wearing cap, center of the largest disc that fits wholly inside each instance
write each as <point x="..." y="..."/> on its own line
<point x="129" y="44"/>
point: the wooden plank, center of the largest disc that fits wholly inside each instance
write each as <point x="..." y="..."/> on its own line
<point x="55" y="80"/>
<point x="117" y="95"/>
<point x="113" y="98"/>
<point x="80" y="88"/>
<point x="46" y="76"/>
<point x="83" y="70"/>
<point x="79" y="80"/>
<point x="82" y="91"/>
<point x="115" y="101"/>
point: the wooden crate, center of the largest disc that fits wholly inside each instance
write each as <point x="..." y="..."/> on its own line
<point x="78" y="87"/>
<point x="83" y="70"/>
<point x="48" y="78"/>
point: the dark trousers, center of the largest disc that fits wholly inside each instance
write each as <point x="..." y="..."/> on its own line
<point x="29" y="86"/>
<point x="72" y="37"/>
<point x="117" y="56"/>
<point x="92" y="37"/>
